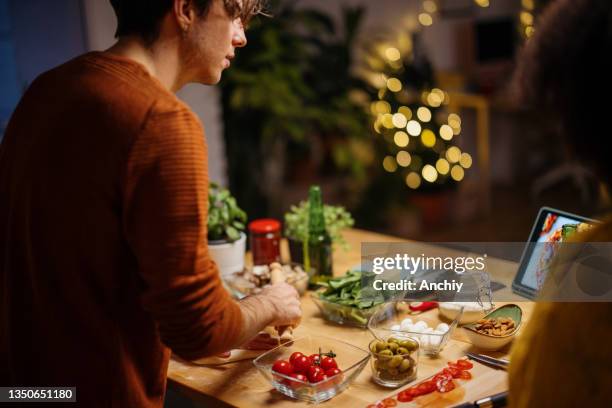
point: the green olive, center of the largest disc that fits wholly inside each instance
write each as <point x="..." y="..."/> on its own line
<point x="405" y="365"/>
<point x="401" y="351"/>
<point x="409" y="344"/>
<point x="382" y="345"/>
<point x="393" y="347"/>
<point x="395" y="361"/>
<point x="373" y="348"/>
<point x="392" y="340"/>
<point x="385" y="355"/>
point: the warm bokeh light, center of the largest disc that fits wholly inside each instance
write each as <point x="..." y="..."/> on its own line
<point x="401" y="138"/>
<point x="529" y="30"/>
<point x="399" y="120"/>
<point x="428" y="138"/>
<point x="429" y="173"/>
<point x="454" y="120"/>
<point x="392" y="54"/>
<point x="526" y="18"/>
<point x="482" y="3"/>
<point x="435" y="98"/>
<point x="403" y="158"/>
<point x="425" y="19"/>
<point x="465" y="161"/>
<point x="430" y="6"/>
<point x="389" y="164"/>
<point x="381" y="107"/>
<point x="387" y="120"/>
<point x="404" y="110"/>
<point x="453" y="154"/>
<point x="457" y="173"/>
<point x="394" y="84"/>
<point x="424" y="114"/>
<point x="446" y="132"/>
<point x="413" y="180"/>
<point x="528" y="4"/>
<point x="413" y="128"/>
<point x="442" y="166"/>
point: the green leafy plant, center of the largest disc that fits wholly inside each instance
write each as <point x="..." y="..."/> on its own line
<point x="225" y="219"/>
<point x="336" y="219"/>
<point x="292" y="97"/>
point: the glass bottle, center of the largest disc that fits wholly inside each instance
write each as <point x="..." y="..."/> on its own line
<point x="318" y="251"/>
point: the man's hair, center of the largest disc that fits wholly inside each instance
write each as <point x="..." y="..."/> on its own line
<point x="564" y="73"/>
<point x="143" y="17"/>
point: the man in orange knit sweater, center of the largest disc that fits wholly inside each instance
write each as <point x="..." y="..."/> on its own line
<point x="104" y="267"/>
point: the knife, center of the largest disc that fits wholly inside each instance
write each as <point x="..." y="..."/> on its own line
<point x="494" y="401"/>
<point x="484" y="359"/>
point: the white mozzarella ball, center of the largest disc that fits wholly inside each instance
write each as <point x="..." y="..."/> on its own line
<point x="443" y="327"/>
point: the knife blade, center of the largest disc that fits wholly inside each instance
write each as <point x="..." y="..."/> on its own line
<point x="491" y="361"/>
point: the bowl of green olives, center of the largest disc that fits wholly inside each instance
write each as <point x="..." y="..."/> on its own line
<point x="394" y="360"/>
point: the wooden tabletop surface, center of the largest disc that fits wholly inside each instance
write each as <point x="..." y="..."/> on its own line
<point x="240" y="384"/>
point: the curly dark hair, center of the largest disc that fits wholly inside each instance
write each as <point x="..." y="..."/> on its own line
<point x="143" y="17"/>
<point x="565" y="72"/>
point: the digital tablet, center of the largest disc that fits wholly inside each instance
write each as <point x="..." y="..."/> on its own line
<point x="550" y="226"/>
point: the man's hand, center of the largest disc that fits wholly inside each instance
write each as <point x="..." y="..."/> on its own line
<point x="285" y="304"/>
<point x="276" y="305"/>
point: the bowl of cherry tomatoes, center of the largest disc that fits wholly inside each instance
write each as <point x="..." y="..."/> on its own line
<point x="312" y="368"/>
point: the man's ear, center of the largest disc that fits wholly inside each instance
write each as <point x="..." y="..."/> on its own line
<point x="184" y="12"/>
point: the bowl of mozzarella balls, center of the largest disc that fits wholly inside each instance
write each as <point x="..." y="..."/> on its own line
<point x="428" y="329"/>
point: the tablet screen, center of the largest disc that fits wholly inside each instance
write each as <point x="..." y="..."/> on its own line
<point x="552" y="228"/>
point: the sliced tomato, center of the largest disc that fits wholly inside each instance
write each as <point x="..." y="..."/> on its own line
<point x="389" y="402"/>
<point x="464" y="364"/>
<point x="465" y="375"/>
<point x="426" y="387"/>
<point x="413" y="392"/>
<point x="445" y="384"/>
<point x="452" y="371"/>
<point x="404" y="396"/>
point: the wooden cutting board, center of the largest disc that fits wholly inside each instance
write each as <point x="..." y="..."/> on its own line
<point x="466" y="390"/>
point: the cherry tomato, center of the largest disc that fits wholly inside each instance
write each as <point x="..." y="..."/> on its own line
<point x="328" y="363"/>
<point x="315" y="374"/>
<point x="301" y="364"/>
<point x="332" y="371"/>
<point x="464" y="364"/>
<point x="315" y="359"/>
<point x="296" y="384"/>
<point x="404" y="397"/>
<point x="465" y="375"/>
<point x="295" y="356"/>
<point x="282" y="367"/>
<point x="389" y="402"/>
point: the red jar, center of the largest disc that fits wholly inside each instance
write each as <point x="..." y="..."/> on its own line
<point x="264" y="235"/>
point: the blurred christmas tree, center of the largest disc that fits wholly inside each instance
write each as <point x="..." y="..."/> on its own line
<point x="416" y="133"/>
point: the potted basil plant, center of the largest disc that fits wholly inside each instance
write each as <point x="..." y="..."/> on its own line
<point x="296" y="227"/>
<point x="226" y="225"/>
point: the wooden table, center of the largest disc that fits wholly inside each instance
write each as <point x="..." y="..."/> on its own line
<point x="240" y="384"/>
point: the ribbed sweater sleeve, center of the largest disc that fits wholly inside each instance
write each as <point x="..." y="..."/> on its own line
<point x="165" y="217"/>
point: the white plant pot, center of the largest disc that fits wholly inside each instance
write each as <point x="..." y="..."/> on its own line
<point x="229" y="256"/>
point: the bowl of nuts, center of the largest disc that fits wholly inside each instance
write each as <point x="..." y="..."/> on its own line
<point x="394" y="360"/>
<point x="251" y="280"/>
<point x="496" y="329"/>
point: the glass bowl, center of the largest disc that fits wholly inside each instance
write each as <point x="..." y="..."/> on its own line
<point x="351" y="360"/>
<point x="241" y="287"/>
<point x="431" y="332"/>
<point x="394" y="361"/>
<point x="345" y="315"/>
